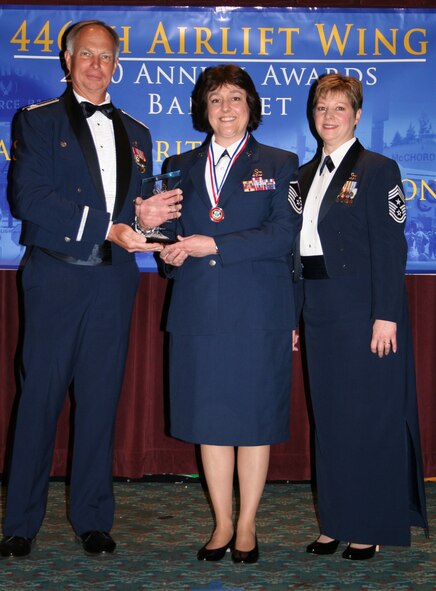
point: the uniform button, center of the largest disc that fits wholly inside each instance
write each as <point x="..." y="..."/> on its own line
<point x="344" y="266"/>
<point x="67" y="239"/>
<point x="212" y="263"/>
<point x="79" y="189"/>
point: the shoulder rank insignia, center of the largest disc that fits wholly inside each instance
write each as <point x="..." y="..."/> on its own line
<point x="134" y="119"/>
<point x="41" y="104"/>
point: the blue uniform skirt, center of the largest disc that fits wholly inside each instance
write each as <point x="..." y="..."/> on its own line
<point x="231" y="389"/>
<point x="368" y="458"/>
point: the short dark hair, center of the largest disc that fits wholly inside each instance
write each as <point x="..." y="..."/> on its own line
<point x="348" y="85"/>
<point x="214" y="77"/>
<point x="75" y="30"/>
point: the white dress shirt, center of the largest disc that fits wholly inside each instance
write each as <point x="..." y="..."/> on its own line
<point x="102" y="131"/>
<point x="310" y="243"/>
<point x="220" y="165"/>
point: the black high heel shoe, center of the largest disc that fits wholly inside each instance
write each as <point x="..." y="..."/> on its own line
<point x="249" y="557"/>
<point x="322" y="548"/>
<point x="215" y="554"/>
<point x="351" y="553"/>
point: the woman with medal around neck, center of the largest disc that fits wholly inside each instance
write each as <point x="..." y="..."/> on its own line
<point x="359" y="350"/>
<point x="231" y="313"/>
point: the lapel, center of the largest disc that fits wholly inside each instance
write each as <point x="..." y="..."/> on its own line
<point x="122" y="146"/>
<point x="242" y="169"/>
<point x="339" y="178"/>
<point x="197" y="173"/>
<point x="307" y="174"/>
<point x="81" y="130"/>
<point x="305" y="178"/>
<point x="124" y="162"/>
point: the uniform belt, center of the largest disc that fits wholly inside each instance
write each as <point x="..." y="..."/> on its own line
<point x="314" y="267"/>
<point x="101" y="254"/>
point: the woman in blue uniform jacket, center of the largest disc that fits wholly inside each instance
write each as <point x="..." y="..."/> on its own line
<point x="359" y="350"/>
<point x="231" y="313"/>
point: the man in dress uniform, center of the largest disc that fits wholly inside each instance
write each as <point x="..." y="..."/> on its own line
<point x="79" y="163"/>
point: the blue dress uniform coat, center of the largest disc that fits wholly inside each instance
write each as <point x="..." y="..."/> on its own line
<point x="368" y="456"/>
<point x="77" y="316"/>
<point x="231" y="314"/>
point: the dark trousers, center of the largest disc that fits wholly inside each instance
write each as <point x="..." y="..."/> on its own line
<point x="76" y="330"/>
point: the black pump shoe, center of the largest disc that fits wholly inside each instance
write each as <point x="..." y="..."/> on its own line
<point x="249" y="557"/>
<point x="351" y="553"/>
<point x="215" y="553"/>
<point x="323" y="548"/>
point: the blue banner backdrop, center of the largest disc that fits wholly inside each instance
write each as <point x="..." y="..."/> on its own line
<point x="392" y="51"/>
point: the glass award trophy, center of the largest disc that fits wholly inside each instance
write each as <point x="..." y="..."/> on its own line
<point x="152" y="186"/>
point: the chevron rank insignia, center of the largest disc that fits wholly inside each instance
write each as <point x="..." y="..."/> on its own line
<point x="397" y="205"/>
<point x="294" y="197"/>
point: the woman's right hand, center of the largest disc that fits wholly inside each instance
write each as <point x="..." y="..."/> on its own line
<point x="173" y="256"/>
<point x="384" y="337"/>
<point x="196" y="245"/>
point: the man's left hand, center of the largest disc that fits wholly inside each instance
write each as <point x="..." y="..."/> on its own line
<point x="124" y="236"/>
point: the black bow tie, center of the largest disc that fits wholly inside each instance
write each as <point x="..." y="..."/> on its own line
<point x="89" y="109"/>
<point x="327" y="162"/>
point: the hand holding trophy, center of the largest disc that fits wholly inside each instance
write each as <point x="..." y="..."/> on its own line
<point x="160" y="203"/>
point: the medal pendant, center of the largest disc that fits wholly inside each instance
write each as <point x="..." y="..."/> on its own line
<point x="216" y="214"/>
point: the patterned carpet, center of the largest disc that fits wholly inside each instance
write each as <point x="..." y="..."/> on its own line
<point x="160" y="525"/>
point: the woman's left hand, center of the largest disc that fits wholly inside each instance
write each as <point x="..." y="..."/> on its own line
<point x="295" y="337"/>
<point x="384" y="337"/>
<point x="195" y="246"/>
